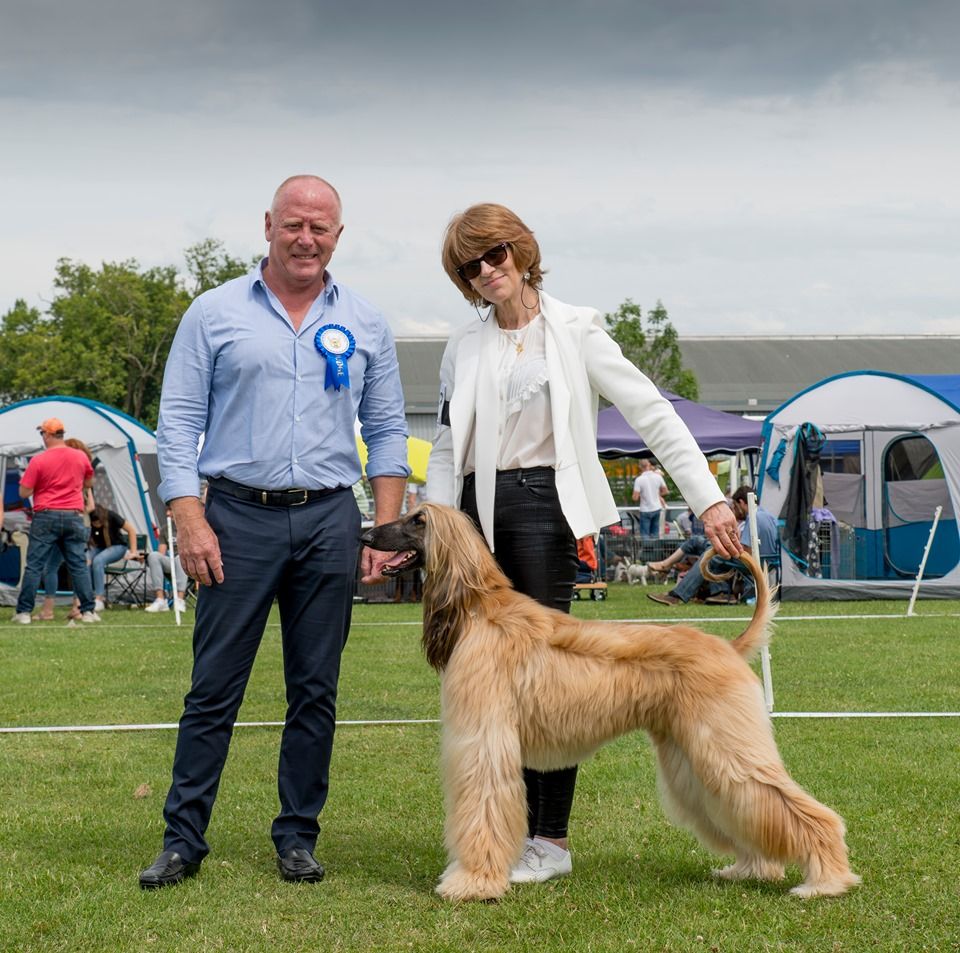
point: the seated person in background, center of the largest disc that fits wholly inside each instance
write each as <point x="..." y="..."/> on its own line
<point x="586" y="559"/>
<point x="112" y="538"/>
<point x="158" y="566"/>
<point x="688" y="587"/>
<point x="692" y="548"/>
<point x="690" y="524"/>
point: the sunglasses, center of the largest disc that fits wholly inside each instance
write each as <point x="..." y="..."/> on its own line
<point x="493" y="257"/>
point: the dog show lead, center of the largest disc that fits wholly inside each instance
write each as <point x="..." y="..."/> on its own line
<point x="516" y="449"/>
<point x="718" y="769"/>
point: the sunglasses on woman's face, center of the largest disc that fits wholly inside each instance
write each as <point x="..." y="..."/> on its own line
<point x="493" y="257"/>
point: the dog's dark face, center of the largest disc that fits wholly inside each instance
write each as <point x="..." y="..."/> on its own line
<point x="405" y="537"/>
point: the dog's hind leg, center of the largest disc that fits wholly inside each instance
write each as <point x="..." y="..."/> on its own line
<point x="787" y="824"/>
<point x="773" y="821"/>
<point x="486" y="808"/>
<point x="684" y="798"/>
<point x="690" y="805"/>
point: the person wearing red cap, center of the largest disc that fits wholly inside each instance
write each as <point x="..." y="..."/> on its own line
<point x="56" y="479"/>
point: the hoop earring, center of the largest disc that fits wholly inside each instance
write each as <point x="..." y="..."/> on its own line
<point x="536" y="297"/>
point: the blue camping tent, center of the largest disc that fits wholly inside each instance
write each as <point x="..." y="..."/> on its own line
<point x="891" y="456"/>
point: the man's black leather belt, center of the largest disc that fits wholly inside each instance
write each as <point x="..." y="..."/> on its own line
<point x="253" y="494"/>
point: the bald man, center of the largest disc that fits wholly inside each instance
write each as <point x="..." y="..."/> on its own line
<point x="274" y="368"/>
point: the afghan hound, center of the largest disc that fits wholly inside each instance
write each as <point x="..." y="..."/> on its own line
<point x="522" y="685"/>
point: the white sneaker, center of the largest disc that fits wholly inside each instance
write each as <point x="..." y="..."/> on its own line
<point x="181" y="605"/>
<point x="541" y="861"/>
<point x="22" y="617"/>
<point x="158" y="605"/>
<point x="89" y="617"/>
<point x="98" y="605"/>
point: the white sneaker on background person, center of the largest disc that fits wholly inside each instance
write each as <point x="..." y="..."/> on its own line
<point x="23" y="618"/>
<point x="89" y="617"/>
<point x="541" y="861"/>
<point x="158" y="605"/>
<point x="98" y="605"/>
<point x="181" y="605"/>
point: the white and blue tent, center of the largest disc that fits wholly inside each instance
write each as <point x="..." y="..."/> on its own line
<point x="891" y="456"/>
<point x="124" y="449"/>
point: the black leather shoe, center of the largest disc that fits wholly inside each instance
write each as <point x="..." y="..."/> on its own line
<point x="298" y="865"/>
<point x="168" y="869"/>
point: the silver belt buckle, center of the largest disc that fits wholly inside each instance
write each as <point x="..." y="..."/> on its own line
<point x="305" y="493"/>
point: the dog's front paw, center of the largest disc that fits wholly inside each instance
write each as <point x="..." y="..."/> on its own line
<point x="752" y="868"/>
<point x="827" y="887"/>
<point x="460" y="884"/>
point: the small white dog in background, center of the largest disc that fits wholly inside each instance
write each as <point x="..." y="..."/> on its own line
<point x="631" y="572"/>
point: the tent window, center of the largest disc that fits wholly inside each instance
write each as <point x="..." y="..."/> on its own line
<point x="914" y="485"/>
<point x="912" y="458"/>
<point x="840" y="456"/>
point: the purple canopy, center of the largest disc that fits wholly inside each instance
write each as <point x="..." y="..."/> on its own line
<point x="714" y="430"/>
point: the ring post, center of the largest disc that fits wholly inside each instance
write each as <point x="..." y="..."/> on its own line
<point x="765" y="651"/>
<point x="923" y="562"/>
<point x="173" y="569"/>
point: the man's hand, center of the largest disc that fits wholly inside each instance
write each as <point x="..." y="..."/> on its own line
<point x="198" y="546"/>
<point x="720" y="526"/>
<point x="388" y="492"/>
<point x="372" y="562"/>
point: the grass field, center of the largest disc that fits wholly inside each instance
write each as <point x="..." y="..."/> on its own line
<point x="80" y="812"/>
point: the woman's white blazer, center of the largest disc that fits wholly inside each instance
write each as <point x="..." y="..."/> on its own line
<point x="583" y="362"/>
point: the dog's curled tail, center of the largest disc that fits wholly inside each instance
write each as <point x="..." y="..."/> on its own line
<point x="757" y="633"/>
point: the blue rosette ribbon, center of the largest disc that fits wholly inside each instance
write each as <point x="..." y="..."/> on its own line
<point x="336" y="343"/>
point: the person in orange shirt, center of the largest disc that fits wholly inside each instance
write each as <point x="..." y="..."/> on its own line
<point x="56" y="479"/>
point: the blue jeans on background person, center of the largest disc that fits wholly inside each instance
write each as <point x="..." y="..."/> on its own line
<point x="63" y="532"/>
<point x="693" y="579"/>
<point x="650" y="523"/>
<point x="100" y="559"/>
<point x="51" y="575"/>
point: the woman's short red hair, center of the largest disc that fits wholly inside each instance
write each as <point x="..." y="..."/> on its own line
<point x="477" y="229"/>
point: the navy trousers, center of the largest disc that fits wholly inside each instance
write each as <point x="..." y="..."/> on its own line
<point x="538" y="553"/>
<point x="305" y="557"/>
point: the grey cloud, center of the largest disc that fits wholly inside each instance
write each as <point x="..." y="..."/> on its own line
<point x="183" y="52"/>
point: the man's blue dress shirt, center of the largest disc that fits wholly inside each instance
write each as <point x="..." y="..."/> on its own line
<point x="239" y="374"/>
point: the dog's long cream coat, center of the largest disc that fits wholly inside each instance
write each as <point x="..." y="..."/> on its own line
<point x="527" y="686"/>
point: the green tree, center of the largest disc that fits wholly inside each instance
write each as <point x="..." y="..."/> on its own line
<point x="654" y="349"/>
<point x="107" y="331"/>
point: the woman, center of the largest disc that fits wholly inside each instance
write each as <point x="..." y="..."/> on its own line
<point x="516" y="448"/>
<point x="107" y="545"/>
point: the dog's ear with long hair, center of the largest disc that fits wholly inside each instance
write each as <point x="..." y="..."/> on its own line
<point x="455" y="550"/>
<point x="461" y="573"/>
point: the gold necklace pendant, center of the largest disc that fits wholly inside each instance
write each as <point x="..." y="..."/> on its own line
<point x="517" y="341"/>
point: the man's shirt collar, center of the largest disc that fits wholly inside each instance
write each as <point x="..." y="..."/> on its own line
<point x="331" y="290"/>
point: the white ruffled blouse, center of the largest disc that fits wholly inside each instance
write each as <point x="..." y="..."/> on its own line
<point x="525" y="423"/>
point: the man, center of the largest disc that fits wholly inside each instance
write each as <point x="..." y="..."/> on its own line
<point x="650" y="491"/>
<point x="273" y="368"/>
<point x="56" y="479"/>
<point x="689" y="586"/>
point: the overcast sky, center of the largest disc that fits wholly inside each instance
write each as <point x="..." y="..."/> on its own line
<point x="760" y="166"/>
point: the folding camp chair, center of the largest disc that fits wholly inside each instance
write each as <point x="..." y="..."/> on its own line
<point x="127" y="579"/>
